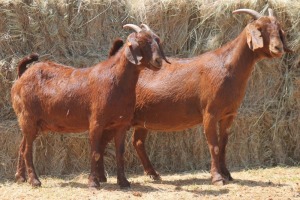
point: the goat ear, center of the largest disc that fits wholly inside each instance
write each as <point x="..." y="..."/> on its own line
<point x="133" y="51"/>
<point x="283" y="39"/>
<point x="254" y="37"/>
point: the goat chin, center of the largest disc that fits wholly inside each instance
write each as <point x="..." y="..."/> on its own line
<point x="276" y="54"/>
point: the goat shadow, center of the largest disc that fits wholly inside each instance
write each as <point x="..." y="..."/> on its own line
<point x="207" y="181"/>
<point x="110" y="187"/>
<point x="70" y="181"/>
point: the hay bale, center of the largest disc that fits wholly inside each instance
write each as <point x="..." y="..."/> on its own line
<point x="79" y="33"/>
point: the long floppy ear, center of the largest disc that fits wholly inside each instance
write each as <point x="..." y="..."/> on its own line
<point x="283" y="39"/>
<point x="133" y="51"/>
<point x="254" y="37"/>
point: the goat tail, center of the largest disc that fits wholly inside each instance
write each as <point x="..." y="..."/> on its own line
<point x="25" y="61"/>
<point x="118" y="43"/>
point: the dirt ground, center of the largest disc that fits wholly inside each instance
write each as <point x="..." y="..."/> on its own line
<point x="270" y="184"/>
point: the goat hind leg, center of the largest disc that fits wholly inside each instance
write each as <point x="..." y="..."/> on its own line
<point x="224" y="125"/>
<point x="20" y="175"/>
<point x="139" y="138"/>
<point x="29" y="138"/>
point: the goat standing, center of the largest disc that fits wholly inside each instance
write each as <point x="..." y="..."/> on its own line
<point x="53" y="97"/>
<point x="207" y="89"/>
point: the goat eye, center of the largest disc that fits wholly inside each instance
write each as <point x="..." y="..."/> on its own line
<point x="157" y="40"/>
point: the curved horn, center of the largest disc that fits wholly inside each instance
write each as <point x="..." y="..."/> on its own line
<point x="132" y="26"/>
<point x="253" y="13"/>
<point x="146" y="27"/>
<point x="271" y="12"/>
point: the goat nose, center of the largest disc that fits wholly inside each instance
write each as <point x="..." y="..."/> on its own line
<point x="158" y="61"/>
<point x="278" y="48"/>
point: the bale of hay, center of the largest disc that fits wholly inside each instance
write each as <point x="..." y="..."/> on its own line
<point x="79" y="33"/>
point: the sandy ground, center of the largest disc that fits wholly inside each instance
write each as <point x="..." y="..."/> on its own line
<point x="270" y="184"/>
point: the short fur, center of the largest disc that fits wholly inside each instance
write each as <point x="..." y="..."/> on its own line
<point x="54" y="97"/>
<point x="207" y="89"/>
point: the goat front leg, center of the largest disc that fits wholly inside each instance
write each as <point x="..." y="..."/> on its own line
<point x="139" y="138"/>
<point x="210" y="129"/>
<point x="95" y="135"/>
<point x="224" y="125"/>
<point x="120" y="149"/>
<point x="20" y="175"/>
<point x="107" y="136"/>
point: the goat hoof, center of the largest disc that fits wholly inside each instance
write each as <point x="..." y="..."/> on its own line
<point x="124" y="184"/>
<point x="228" y="178"/>
<point x="20" y="179"/>
<point x="35" y="182"/>
<point x="218" y="182"/>
<point x="93" y="183"/>
<point x="226" y="175"/>
<point x="102" y="179"/>
<point x="155" y="177"/>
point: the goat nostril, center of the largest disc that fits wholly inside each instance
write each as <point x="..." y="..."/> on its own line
<point x="158" y="61"/>
<point x="278" y="48"/>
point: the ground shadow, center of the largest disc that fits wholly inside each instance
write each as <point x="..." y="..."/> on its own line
<point x="205" y="191"/>
<point x="65" y="181"/>
<point x="193" y="186"/>
<point x="252" y="183"/>
<point x="73" y="185"/>
<point x="105" y="186"/>
<point x="136" y="187"/>
<point x="199" y="181"/>
<point x="6" y="180"/>
<point x="183" y="182"/>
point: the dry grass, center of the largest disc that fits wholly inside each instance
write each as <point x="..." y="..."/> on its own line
<point x="272" y="183"/>
<point x="79" y="33"/>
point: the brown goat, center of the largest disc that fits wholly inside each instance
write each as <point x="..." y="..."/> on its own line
<point x="101" y="99"/>
<point x="207" y="89"/>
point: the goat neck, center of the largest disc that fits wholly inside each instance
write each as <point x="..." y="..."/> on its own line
<point x="125" y="73"/>
<point x="240" y="59"/>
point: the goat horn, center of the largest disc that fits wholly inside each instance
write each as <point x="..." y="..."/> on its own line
<point x="271" y="12"/>
<point x="253" y="13"/>
<point x="132" y="26"/>
<point x="146" y="27"/>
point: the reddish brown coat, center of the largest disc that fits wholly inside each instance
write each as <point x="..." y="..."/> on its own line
<point x="52" y="97"/>
<point x="207" y="89"/>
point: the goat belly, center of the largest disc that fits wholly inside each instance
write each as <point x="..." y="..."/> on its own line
<point x="52" y="125"/>
<point x="168" y="115"/>
<point x="119" y="121"/>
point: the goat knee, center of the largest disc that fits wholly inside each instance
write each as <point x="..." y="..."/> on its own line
<point x="216" y="150"/>
<point x="138" y="144"/>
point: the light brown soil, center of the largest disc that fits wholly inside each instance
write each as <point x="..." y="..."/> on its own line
<point x="270" y="184"/>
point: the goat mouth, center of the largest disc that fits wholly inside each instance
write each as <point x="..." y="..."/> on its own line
<point x="276" y="53"/>
<point x="154" y="66"/>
